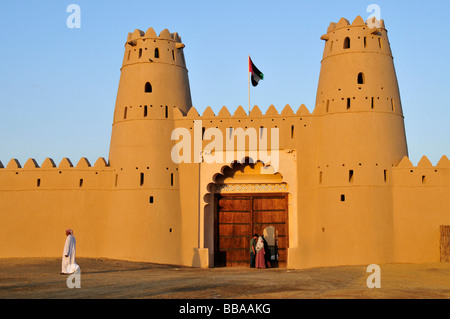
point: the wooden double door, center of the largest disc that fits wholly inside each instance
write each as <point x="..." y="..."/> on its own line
<point x="239" y="216"/>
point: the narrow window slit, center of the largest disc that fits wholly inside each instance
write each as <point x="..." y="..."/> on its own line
<point x="142" y="179"/>
<point x="148" y="88"/>
<point x="360" y="78"/>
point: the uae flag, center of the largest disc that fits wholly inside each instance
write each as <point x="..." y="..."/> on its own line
<point x="257" y="75"/>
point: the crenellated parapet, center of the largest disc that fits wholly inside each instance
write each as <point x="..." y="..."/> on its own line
<point x="49" y="163"/>
<point x="50" y="176"/>
<point x="422" y="174"/>
<point x="293" y="127"/>
<point x="148" y="47"/>
<point x="240" y="113"/>
<point x="359" y="36"/>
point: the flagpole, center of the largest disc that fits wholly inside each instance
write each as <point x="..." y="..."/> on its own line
<point x="248" y="87"/>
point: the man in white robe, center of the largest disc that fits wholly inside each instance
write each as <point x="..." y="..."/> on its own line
<point x="68" y="260"/>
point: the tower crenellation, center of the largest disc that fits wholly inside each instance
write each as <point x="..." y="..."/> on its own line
<point x="150" y="48"/>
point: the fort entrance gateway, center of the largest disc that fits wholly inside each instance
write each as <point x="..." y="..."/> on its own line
<point x="239" y="216"/>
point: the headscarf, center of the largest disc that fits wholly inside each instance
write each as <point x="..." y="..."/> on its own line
<point x="259" y="244"/>
<point x="70" y="231"/>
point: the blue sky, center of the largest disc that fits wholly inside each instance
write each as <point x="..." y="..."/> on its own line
<point x="58" y="85"/>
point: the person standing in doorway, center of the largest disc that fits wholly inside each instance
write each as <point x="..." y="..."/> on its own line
<point x="267" y="254"/>
<point x="253" y="250"/>
<point x="68" y="260"/>
<point x="260" y="254"/>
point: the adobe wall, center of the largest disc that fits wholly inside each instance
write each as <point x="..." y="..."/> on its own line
<point x="421" y="206"/>
<point x="39" y="203"/>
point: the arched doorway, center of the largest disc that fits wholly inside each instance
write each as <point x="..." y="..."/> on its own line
<point x="250" y="199"/>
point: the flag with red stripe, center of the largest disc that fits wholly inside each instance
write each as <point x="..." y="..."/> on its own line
<point x="257" y="75"/>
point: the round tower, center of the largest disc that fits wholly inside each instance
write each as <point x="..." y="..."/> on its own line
<point x="360" y="136"/>
<point x="145" y="215"/>
<point x="358" y="96"/>
<point x="153" y="81"/>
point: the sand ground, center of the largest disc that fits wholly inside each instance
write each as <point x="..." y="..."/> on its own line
<point x="39" y="278"/>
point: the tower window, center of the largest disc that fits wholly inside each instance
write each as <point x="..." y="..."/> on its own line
<point x="365" y="42"/>
<point x="361" y="78"/>
<point x="379" y="43"/>
<point x="157" y="53"/>
<point x="140" y="53"/>
<point x="350" y="176"/>
<point x="347" y="43"/>
<point x="148" y="87"/>
<point x="348" y="103"/>
<point x="145" y="110"/>
<point x="173" y="55"/>
<point x="81" y="182"/>
<point x="125" y="113"/>
<point x="342" y="197"/>
<point x="38" y="184"/>
<point x="142" y="179"/>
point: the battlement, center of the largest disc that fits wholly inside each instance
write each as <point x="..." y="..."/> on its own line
<point x="422" y="174"/>
<point x="50" y="176"/>
<point x="357" y="37"/>
<point x="240" y="113"/>
<point x="424" y="163"/>
<point x="48" y="163"/>
<point x="151" y="34"/>
<point x="372" y="23"/>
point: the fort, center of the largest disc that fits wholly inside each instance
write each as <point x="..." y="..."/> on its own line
<point x="344" y="191"/>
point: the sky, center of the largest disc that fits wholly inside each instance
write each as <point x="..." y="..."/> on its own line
<point x="58" y="85"/>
